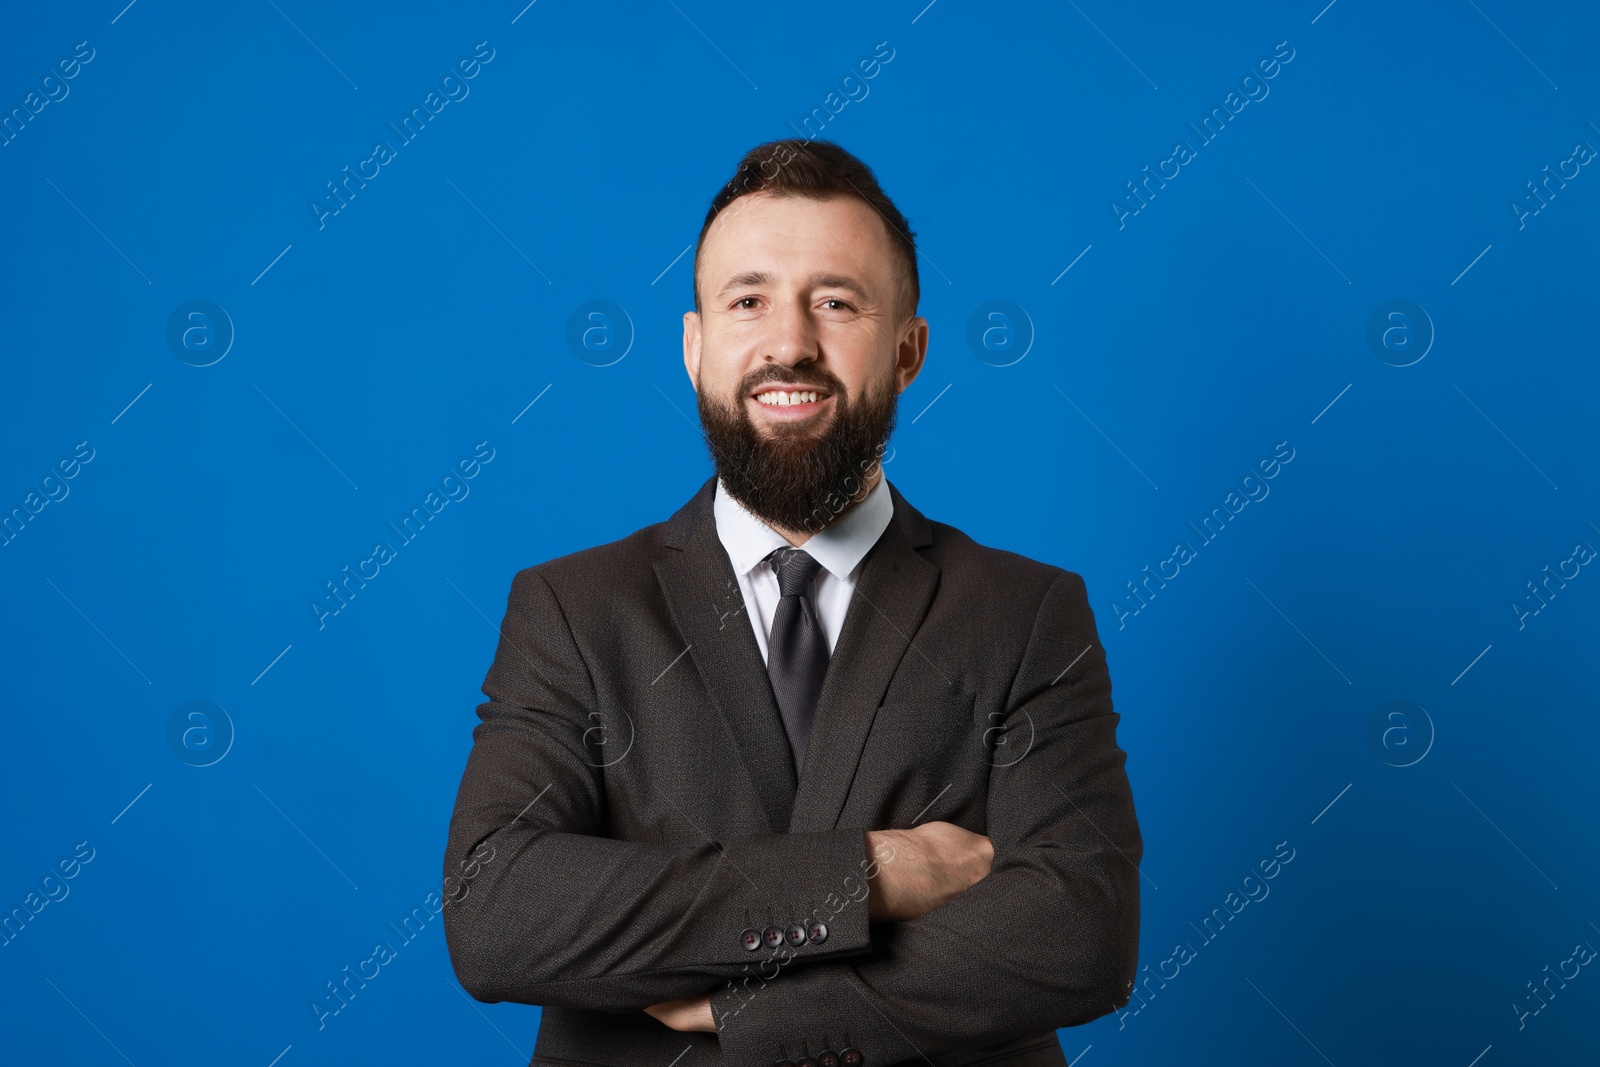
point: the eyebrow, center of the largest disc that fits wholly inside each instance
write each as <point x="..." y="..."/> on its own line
<point x="819" y="280"/>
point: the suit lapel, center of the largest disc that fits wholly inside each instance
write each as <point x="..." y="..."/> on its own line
<point x="892" y="595"/>
<point x="703" y="595"/>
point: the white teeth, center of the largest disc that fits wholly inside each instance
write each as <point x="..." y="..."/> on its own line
<point x="777" y="398"/>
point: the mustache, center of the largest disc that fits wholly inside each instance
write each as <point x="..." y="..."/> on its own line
<point x="788" y="377"/>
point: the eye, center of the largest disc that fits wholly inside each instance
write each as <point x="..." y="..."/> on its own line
<point x="836" y="300"/>
<point x="740" y="302"/>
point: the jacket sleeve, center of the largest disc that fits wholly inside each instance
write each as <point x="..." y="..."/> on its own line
<point x="541" y="908"/>
<point x="1049" y="938"/>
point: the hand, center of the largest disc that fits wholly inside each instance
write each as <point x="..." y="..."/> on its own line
<point x="690" y="1013"/>
<point x="921" y="868"/>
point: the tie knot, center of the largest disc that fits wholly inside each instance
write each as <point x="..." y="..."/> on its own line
<point x="795" y="570"/>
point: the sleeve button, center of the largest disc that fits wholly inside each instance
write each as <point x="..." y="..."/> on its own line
<point x="750" y="939"/>
<point x="817" y="933"/>
<point x="773" y="936"/>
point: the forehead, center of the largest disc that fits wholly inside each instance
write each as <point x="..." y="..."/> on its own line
<point x="796" y="234"/>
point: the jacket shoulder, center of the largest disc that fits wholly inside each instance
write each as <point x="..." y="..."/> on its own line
<point x="994" y="571"/>
<point x="611" y="566"/>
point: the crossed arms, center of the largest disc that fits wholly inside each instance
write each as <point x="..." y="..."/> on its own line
<point x="561" y="916"/>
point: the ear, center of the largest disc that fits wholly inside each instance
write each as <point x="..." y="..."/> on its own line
<point x="910" y="352"/>
<point x="691" y="347"/>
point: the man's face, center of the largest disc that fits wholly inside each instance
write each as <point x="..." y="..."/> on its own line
<point x="798" y="296"/>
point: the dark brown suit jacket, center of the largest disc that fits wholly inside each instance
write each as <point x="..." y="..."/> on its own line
<point x="629" y="811"/>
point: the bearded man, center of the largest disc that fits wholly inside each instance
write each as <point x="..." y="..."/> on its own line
<point x="798" y="776"/>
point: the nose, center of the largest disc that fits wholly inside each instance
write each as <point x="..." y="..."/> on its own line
<point x="792" y="335"/>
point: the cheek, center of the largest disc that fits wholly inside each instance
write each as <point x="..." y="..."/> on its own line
<point x="866" y="364"/>
<point x="730" y="355"/>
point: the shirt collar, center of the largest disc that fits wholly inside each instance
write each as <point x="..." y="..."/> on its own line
<point x="839" y="547"/>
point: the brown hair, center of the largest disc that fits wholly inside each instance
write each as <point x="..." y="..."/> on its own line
<point x="818" y="170"/>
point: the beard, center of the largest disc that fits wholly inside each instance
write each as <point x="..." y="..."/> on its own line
<point x="799" y="476"/>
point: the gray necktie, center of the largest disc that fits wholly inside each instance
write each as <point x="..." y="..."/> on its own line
<point x="797" y="649"/>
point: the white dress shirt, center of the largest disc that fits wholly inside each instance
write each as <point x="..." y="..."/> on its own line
<point x="839" y="547"/>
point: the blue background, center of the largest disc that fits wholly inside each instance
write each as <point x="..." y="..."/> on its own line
<point x="1442" y="858"/>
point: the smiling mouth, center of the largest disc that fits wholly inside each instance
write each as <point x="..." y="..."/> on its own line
<point x="784" y="399"/>
<point x="791" y="407"/>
